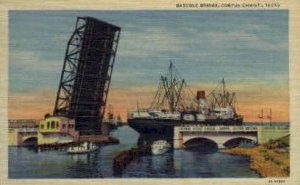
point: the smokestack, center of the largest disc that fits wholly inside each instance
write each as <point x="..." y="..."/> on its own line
<point x="200" y="95"/>
<point x="201" y="99"/>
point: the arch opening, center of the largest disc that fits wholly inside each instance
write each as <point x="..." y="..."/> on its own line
<point x="31" y="141"/>
<point x="201" y="145"/>
<point x="239" y="142"/>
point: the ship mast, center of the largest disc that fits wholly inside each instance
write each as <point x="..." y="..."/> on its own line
<point x="261" y="116"/>
<point x="270" y="116"/>
<point x="220" y="97"/>
<point x="223" y="95"/>
<point x="171" y="92"/>
<point x="172" y="107"/>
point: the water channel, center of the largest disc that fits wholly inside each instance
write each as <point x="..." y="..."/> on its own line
<point x="178" y="163"/>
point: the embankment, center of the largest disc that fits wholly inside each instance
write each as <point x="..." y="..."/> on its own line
<point x="269" y="160"/>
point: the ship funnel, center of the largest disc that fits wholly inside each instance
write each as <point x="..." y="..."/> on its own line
<point x="201" y="100"/>
<point x="200" y="95"/>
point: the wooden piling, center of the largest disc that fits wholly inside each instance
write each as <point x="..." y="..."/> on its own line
<point x="125" y="157"/>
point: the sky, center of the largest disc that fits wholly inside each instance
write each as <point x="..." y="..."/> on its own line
<point x="249" y="48"/>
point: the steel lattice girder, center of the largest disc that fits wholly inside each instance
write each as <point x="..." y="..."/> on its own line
<point x="86" y="73"/>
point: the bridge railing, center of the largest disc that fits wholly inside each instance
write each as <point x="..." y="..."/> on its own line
<point x="27" y="129"/>
<point x="285" y="127"/>
<point x="217" y="128"/>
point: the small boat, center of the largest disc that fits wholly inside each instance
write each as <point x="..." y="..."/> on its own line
<point x="160" y="147"/>
<point x="83" y="148"/>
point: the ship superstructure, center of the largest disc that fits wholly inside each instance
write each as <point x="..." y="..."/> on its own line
<point x="175" y="104"/>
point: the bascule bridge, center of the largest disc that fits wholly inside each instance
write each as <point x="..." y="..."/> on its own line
<point x="86" y="74"/>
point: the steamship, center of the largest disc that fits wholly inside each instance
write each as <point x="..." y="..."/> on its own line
<point x="174" y="104"/>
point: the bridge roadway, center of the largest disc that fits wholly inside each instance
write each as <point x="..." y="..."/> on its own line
<point x="221" y="135"/>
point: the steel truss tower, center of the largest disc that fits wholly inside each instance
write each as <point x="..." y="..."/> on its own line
<point x="86" y="74"/>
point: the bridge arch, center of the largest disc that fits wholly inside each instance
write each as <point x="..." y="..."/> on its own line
<point x="237" y="141"/>
<point x="29" y="140"/>
<point x="221" y="140"/>
<point x="201" y="144"/>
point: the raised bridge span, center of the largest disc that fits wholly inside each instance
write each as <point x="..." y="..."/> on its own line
<point x="222" y="135"/>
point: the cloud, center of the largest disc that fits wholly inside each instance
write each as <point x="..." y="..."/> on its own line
<point x="244" y="40"/>
<point x="252" y="96"/>
<point x="251" y="99"/>
<point x="32" y="61"/>
<point x="254" y="37"/>
<point x="31" y="104"/>
<point x="203" y="46"/>
<point x="28" y="71"/>
<point x="221" y="36"/>
<point x="149" y="42"/>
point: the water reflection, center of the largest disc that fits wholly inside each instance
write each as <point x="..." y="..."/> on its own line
<point x="202" y="146"/>
<point x="86" y="159"/>
<point x="32" y="148"/>
<point x="152" y="166"/>
<point x="84" y="165"/>
<point x="163" y="164"/>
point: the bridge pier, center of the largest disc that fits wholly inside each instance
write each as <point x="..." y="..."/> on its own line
<point x="178" y="138"/>
<point x="21" y="136"/>
<point x="220" y="143"/>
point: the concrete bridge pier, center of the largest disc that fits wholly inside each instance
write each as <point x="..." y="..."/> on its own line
<point x="22" y="136"/>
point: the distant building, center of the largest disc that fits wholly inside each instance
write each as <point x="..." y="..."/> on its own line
<point x="22" y="123"/>
<point x="57" y="130"/>
<point x="22" y="132"/>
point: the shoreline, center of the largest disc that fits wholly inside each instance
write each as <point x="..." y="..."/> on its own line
<point x="266" y="162"/>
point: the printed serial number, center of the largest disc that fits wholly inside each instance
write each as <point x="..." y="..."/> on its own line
<point x="272" y="5"/>
<point x="276" y="181"/>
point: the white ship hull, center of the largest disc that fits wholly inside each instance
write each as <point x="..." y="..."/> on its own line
<point x="83" y="148"/>
<point x="160" y="147"/>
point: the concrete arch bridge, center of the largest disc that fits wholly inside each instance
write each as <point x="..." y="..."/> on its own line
<point x="22" y="136"/>
<point x="226" y="136"/>
<point x="221" y="136"/>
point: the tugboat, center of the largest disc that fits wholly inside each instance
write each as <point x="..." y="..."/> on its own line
<point x="175" y="104"/>
<point x="160" y="147"/>
<point x="83" y="148"/>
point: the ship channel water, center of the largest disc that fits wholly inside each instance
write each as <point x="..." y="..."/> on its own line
<point x="28" y="163"/>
